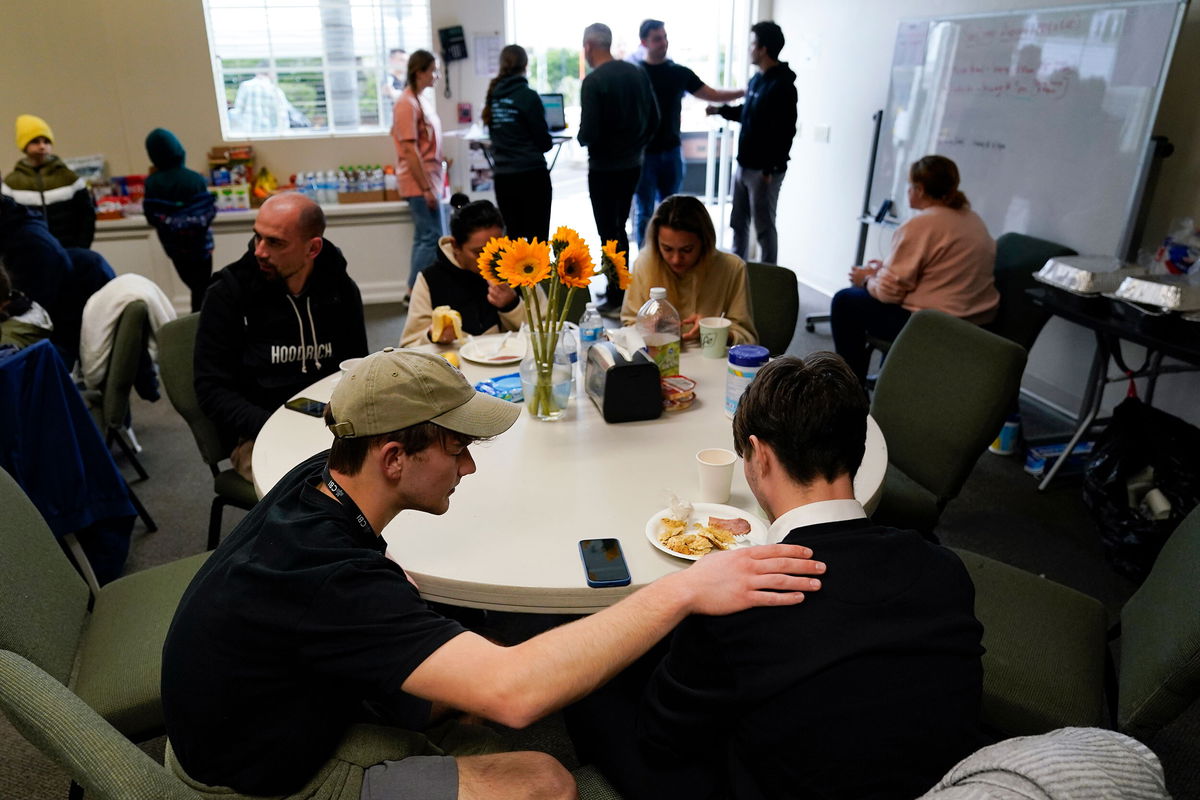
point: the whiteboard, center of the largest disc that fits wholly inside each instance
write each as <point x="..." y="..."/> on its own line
<point x="1048" y="114"/>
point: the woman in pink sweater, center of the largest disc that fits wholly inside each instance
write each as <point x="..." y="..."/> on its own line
<point x="942" y="258"/>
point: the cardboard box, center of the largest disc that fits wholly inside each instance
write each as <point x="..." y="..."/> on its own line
<point x="391" y="196"/>
<point x="1039" y="459"/>
<point x="361" y="197"/>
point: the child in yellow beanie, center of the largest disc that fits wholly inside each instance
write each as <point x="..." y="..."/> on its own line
<point x="41" y="180"/>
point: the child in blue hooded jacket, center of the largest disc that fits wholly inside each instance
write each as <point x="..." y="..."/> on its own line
<point x="180" y="208"/>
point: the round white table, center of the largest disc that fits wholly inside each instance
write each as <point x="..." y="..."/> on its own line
<point x="510" y="538"/>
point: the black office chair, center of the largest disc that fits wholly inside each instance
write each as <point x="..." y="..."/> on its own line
<point x="1018" y="257"/>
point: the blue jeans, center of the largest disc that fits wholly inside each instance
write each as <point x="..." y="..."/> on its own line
<point x="427" y="229"/>
<point x="755" y="197"/>
<point x="854" y="315"/>
<point x="662" y="176"/>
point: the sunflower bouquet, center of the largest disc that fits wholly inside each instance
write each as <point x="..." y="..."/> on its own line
<point x="561" y="266"/>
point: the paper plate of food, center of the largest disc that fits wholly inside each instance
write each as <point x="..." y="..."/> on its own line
<point x="693" y="530"/>
<point x="494" y="349"/>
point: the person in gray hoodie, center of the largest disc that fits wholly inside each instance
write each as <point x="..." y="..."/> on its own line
<point x="180" y="208"/>
<point x="517" y="125"/>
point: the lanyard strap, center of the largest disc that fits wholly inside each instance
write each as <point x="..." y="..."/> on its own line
<point x="347" y="501"/>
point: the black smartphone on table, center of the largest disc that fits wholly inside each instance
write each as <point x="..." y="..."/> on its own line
<point x="314" y="408"/>
<point x="604" y="563"/>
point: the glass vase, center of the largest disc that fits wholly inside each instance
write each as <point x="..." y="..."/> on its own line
<point x="547" y="374"/>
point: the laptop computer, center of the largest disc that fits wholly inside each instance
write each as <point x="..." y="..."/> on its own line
<point x="556" y="118"/>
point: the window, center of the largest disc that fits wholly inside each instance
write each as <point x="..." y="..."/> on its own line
<point x="296" y="68"/>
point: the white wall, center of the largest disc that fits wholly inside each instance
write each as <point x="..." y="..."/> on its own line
<point x="841" y="51"/>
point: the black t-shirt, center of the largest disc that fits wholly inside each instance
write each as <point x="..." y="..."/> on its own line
<point x="292" y="630"/>
<point x="670" y="81"/>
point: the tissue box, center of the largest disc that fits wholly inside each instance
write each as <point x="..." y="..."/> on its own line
<point x="625" y="390"/>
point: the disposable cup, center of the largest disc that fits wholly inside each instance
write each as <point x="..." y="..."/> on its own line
<point x="714" y="335"/>
<point x="715" y="465"/>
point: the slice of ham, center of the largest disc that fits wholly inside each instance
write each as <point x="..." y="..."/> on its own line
<point x="736" y="526"/>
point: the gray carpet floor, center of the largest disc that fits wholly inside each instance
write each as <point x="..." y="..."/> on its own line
<point x="1000" y="513"/>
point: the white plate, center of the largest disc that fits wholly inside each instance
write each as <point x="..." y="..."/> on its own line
<point x="700" y="513"/>
<point x="482" y="350"/>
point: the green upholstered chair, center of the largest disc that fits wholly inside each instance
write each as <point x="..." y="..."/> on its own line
<point x="942" y="394"/>
<point x="1044" y="665"/>
<point x="176" y="349"/>
<point x="1160" y="639"/>
<point x="110" y="767"/>
<point x="67" y="731"/>
<point x="1048" y="665"/>
<point x="774" y="304"/>
<point x="114" y="650"/>
<point x="1018" y="257"/>
<point x="109" y="404"/>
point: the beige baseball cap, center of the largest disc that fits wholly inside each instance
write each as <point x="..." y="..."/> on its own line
<point x="396" y="388"/>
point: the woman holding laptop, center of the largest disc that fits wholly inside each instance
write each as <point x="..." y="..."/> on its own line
<point x="517" y="125"/>
<point x="942" y="258"/>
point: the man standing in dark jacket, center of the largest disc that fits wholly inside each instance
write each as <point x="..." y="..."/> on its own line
<point x="768" y="118"/>
<point x="276" y="320"/>
<point x="619" y="117"/>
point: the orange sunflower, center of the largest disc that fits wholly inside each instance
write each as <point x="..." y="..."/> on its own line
<point x="524" y="263"/>
<point x="563" y="238"/>
<point x="489" y="257"/>
<point x="575" y="266"/>
<point x="614" y="260"/>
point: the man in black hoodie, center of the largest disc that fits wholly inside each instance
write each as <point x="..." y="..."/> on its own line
<point x="276" y="320"/>
<point x="768" y="118"/>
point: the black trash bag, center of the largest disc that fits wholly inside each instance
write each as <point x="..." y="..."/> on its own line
<point x="1139" y="437"/>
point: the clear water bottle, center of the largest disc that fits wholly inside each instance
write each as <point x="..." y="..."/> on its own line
<point x="377" y="179"/>
<point x="591" y="330"/>
<point x="658" y="323"/>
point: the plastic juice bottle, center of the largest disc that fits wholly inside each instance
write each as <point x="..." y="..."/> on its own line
<point x="658" y="323"/>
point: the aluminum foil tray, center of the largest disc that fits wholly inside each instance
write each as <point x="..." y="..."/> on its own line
<point x="1087" y="274"/>
<point x="1168" y="292"/>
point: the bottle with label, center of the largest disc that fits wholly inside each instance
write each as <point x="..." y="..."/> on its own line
<point x="591" y="330"/>
<point x="658" y="323"/>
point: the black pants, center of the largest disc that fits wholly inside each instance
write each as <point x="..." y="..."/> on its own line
<point x="612" y="195"/>
<point x="854" y="315"/>
<point x="602" y="728"/>
<point x="524" y="201"/>
<point x="195" y="270"/>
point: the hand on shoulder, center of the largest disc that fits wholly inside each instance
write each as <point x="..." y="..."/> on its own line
<point x="735" y="580"/>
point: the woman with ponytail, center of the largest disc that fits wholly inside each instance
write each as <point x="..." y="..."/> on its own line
<point x="942" y="258"/>
<point x="517" y="127"/>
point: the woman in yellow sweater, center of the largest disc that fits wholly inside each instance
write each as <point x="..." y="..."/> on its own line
<point x="701" y="281"/>
<point x="942" y="258"/>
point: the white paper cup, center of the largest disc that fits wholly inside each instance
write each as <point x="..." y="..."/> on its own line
<point x="714" y="335"/>
<point x="716" y="474"/>
<point x="349" y="364"/>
